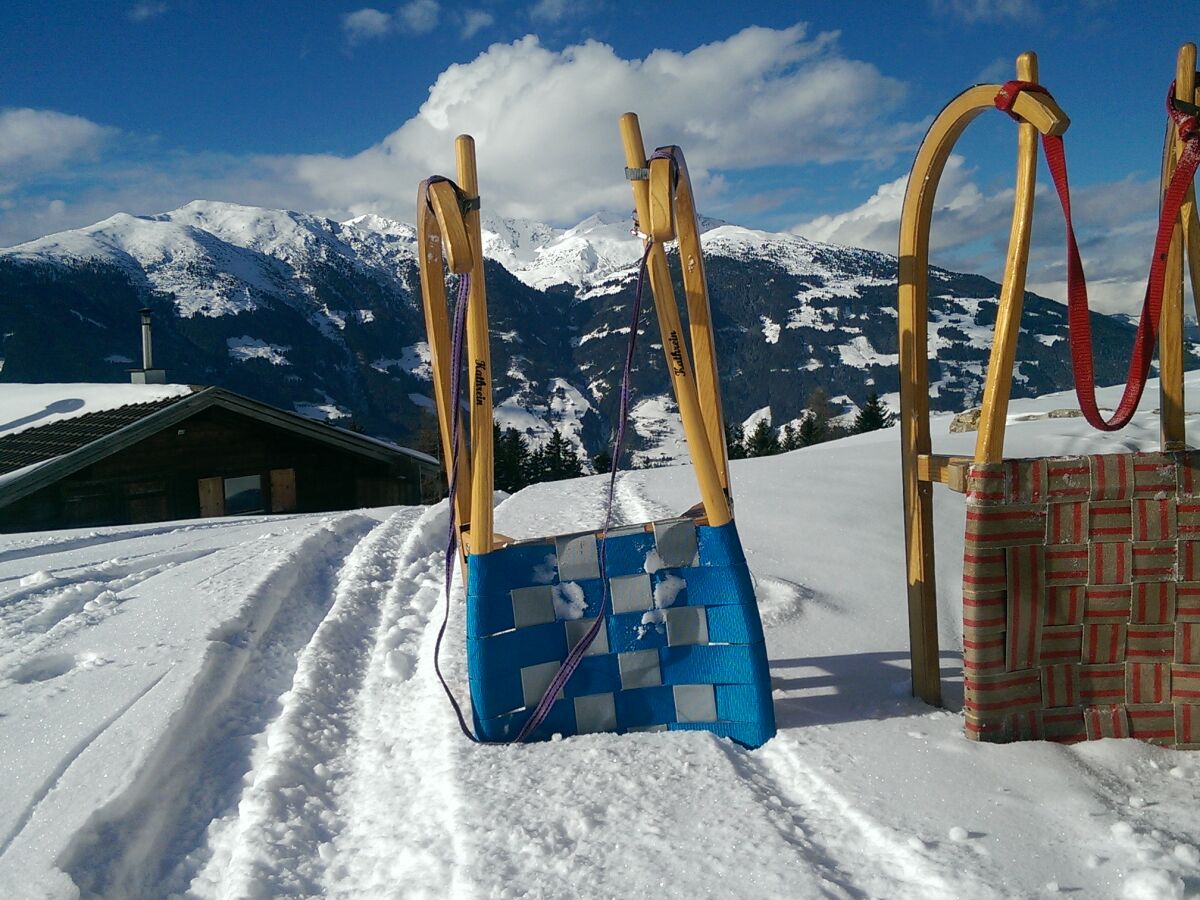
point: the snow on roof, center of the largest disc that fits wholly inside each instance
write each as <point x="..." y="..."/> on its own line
<point x="24" y="406"/>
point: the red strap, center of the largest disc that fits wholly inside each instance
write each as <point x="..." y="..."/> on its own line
<point x="1078" y="316"/>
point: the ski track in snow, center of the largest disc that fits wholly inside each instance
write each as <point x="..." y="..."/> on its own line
<point x="135" y="846"/>
<point x="277" y="840"/>
<point x="404" y="754"/>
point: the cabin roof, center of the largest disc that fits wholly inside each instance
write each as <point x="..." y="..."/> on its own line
<point x="33" y="457"/>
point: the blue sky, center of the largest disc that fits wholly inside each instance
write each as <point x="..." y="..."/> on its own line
<point x="795" y="116"/>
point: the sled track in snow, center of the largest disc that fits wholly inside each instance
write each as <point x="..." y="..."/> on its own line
<point x="840" y="836"/>
<point x="402" y="796"/>
<point x="140" y="845"/>
<point x="278" y="839"/>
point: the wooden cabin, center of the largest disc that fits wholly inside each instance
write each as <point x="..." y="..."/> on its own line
<point x="197" y="452"/>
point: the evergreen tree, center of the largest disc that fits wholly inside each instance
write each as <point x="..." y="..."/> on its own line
<point x="873" y="415"/>
<point x="812" y="431"/>
<point x="535" y="466"/>
<point x="559" y="460"/>
<point x="790" y="439"/>
<point x="763" y="440"/>
<point x="735" y="441"/>
<point x="602" y="462"/>
<point x="428" y="440"/>
<point x="815" y="427"/>
<point x="511" y="457"/>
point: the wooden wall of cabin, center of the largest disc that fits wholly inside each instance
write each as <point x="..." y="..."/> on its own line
<point x="166" y="475"/>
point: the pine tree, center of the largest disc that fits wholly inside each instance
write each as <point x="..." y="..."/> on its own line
<point x="812" y="431"/>
<point x="762" y="441"/>
<point x="873" y="416"/>
<point x="559" y="459"/>
<point x="511" y="459"/>
<point x="428" y="440"/>
<point x="815" y="427"/>
<point x="735" y="441"/>
<point x="790" y="439"/>
<point x="602" y="462"/>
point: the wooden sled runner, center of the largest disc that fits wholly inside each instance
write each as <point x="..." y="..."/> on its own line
<point x="644" y="627"/>
<point x="1081" y="585"/>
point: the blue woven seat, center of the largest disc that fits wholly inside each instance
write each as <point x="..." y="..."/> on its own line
<point x="681" y="648"/>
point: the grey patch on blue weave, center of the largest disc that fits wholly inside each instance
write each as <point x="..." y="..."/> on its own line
<point x="630" y="593"/>
<point x="625" y="531"/>
<point x="535" y="680"/>
<point x="533" y="605"/>
<point x="695" y="703"/>
<point x="647" y="728"/>
<point x="686" y="625"/>
<point x="577" y="628"/>
<point x="578" y="559"/>
<point x="639" y="669"/>
<point x="595" y="712"/>
<point x="675" y="541"/>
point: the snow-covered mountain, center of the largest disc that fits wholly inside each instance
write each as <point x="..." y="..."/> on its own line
<point x="322" y="316"/>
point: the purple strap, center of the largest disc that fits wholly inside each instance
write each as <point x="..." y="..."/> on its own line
<point x="456" y="361"/>
<point x="571" y="663"/>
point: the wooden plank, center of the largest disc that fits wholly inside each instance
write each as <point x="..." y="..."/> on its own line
<point x="212" y="496"/>
<point x="479" y="362"/>
<point x="437" y="331"/>
<point x="456" y="244"/>
<point x="989" y="443"/>
<point x="661" y="226"/>
<point x="704" y="347"/>
<point x="679" y="365"/>
<point x="1170" y="339"/>
<point x="283" y="490"/>
<point x="937" y="468"/>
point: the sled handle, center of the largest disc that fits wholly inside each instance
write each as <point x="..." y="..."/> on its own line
<point x="441" y="230"/>
<point x="997" y="388"/>
<point x="1170" y="333"/>
<point x="673" y="216"/>
<point x="481" y="535"/>
<point x="1038" y="113"/>
<point x="679" y="366"/>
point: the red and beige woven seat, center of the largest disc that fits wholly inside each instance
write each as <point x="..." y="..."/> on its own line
<point x="1081" y="575"/>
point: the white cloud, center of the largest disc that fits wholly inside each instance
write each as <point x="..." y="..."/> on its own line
<point x="963" y="214"/>
<point x="1114" y="225"/>
<point x="548" y="10"/>
<point x="972" y="11"/>
<point x="419" y="16"/>
<point x="140" y="12"/>
<point x="546" y="121"/>
<point x="40" y="140"/>
<point x="474" y="21"/>
<point x="365" y="24"/>
<point x="368" y="23"/>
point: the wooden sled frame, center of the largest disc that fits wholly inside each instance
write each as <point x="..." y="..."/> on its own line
<point x="920" y="467"/>
<point x="448" y="230"/>
<point x="665" y="206"/>
<point x="448" y="225"/>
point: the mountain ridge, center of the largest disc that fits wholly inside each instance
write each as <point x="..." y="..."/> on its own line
<point x="323" y="317"/>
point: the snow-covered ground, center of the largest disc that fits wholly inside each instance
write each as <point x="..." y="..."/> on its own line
<point x="247" y="708"/>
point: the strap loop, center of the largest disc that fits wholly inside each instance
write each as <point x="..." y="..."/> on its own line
<point x="1010" y="90"/>
<point x="1078" y="313"/>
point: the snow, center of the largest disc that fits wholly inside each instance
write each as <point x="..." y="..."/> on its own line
<point x="247" y="707"/>
<point x="24" y="406"/>
<point x="770" y="329"/>
<point x="861" y="355"/>
<point x="245" y="348"/>
<point x="415" y="359"/>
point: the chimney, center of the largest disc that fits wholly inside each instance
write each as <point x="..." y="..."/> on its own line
<point x="147" y="374"/>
